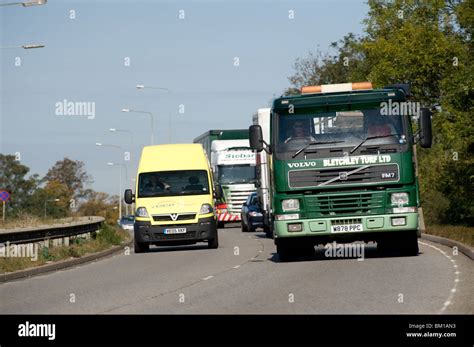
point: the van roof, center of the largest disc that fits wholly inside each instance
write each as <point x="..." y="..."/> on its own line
<point x="189" y="156"/>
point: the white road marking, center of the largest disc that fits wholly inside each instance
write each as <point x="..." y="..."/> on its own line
<point x="456" y="273"/>
<point x="207" y="278"/>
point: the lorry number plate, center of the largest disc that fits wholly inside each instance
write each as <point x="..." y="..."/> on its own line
<point x="346" y="228"/>
<point x="175" y="231"/>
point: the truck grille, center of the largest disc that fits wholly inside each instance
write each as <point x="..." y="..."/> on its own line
<point x="348" y="204"/>
<point x="169" y="237"/>
<point x="169" y="217"/>
<point x="339" y="176"/>
<point x="236" y="198"/>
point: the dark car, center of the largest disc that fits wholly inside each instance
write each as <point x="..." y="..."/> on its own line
<point x="251" y="215"/>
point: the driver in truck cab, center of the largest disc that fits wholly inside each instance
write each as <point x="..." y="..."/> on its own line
<point x="299" y="132"/>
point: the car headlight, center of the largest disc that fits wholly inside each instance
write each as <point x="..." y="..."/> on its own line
<point x="255" y="214"/>
<point x="290" y="205"/>
<point x="205" y="209"/>
<point x="142" y="212"/>
<point x="399" y="198"/>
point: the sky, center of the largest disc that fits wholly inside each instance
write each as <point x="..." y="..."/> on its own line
<point x="218" y="60"/>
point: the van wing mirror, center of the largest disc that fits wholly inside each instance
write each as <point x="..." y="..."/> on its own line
<point x="256" y="137"/>
<point x="129" y="197"/>
<point x="424" y="123"/>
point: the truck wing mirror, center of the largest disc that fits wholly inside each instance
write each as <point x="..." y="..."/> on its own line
<point x="425" y="128"/>
<point x="256" y="137"/>
<point x="218" y="192"/>
<point x="129" y="197"/>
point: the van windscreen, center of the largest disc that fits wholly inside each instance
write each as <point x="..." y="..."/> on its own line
<point x="172" y="183"/>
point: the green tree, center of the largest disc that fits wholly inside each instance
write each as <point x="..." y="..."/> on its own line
<point x="13" y="178"/>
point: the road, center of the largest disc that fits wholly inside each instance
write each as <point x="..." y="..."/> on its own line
<point x="244" y="275"/>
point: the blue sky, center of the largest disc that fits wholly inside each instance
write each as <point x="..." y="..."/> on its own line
<point x="84" y="61"/>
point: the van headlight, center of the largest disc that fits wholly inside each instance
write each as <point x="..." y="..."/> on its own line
<point x="205" y="209"/>
<point x="290" y="205"/>
<point x="399" y="198"/>
<point x="141" y="212"/>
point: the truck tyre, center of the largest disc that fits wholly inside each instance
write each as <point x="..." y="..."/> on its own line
<point x="141" y="247"/>
<point x="285" y="253"/>
<point x="244" y="227"/>
<point x="213" y="243"/>
<point x="408" y="243"/>
<point x="268" y="232"/>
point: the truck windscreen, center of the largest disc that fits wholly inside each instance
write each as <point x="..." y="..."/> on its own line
<point x="172" y="183"/>
<point x="235" y="174"/>
<point x="317" y="135"/>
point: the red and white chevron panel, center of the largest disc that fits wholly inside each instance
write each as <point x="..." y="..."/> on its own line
<point x="228" y="217"/>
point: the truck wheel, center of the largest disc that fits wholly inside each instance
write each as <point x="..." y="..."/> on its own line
<point x="408" y="243"/>
<point x="268" y="232"/>
<point x="244" y="227"/>
<point x="285" y="253"/>
<point x="141" y="247"/>
<point x="213" y="243"/>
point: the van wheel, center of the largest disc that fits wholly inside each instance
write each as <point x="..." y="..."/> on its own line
<point x="213" y="243"/>
<point x="220" y="225"/>
<point x="141" y="247"/>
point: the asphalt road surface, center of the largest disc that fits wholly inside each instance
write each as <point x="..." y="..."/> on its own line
<point x="244" y="275"/>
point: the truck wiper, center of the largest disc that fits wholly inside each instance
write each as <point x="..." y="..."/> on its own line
<point x="370" y="138"/>
<point x="311" y="144"/>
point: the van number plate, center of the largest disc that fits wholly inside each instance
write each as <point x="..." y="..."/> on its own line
<point x="175" y="231"/>
<point x="347" y="228"/>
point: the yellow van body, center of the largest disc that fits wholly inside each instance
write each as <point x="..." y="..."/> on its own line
<point x="167" y="210"/>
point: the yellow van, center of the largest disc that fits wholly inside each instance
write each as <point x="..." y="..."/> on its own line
<point x="174" y="197"/>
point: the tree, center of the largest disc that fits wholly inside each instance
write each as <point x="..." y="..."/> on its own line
<point x="13" y="178"/>
<point x="100" y="204"/>
<point x="71" y="173"/>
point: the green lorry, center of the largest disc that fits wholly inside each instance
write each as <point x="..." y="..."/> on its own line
<point x="342" y="164"/>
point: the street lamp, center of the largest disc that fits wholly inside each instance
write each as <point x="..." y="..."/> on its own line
<point x="33" y="46"/>
<point x="45" y="202"/>
<point x="120" y="187"/>
<point x="145" y="112"/>
<point x="26" y="3"/>
<point x="115" y="130"/>
<point x="141" y="87"/>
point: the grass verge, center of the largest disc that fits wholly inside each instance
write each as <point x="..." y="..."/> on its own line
<point x="107" y="237"/>
<point x="459" y="233"/>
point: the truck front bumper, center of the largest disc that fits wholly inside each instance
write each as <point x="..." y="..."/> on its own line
<point x="373" y="227"/>
<point x="204" y="230"/>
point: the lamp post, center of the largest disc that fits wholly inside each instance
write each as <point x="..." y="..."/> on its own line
<point x="26" y="3"/>
<point x="46" y="202"/>
<point x="24" y="46"/>
<point x="145" y="112"/>
<point x="120" y="186"/>
<point x="141" y="87"/>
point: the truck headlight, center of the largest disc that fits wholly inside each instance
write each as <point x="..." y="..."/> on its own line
<point x="290" y="205"/>
<point x="141" y="212"/>
<point x="399" y="198"/>
<point x="205" y="209"/>
<point x="287" y="216"/>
